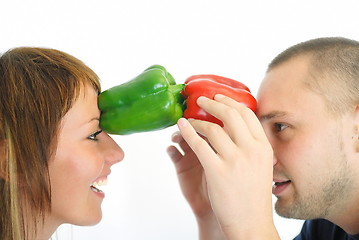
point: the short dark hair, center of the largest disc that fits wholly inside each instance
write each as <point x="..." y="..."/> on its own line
<point x="333" y="69"/>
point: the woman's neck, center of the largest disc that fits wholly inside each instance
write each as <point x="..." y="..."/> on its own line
<point x="45" y="229"/>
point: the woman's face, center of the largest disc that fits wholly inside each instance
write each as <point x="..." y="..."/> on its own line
<point x="82" y="161"/>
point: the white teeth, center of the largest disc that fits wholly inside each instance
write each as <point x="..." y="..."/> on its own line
<point x="95" y="189"/>
<point x="101" y="182"/>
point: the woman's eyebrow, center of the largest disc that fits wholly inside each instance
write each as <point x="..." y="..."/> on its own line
<point x="94" y="119"/>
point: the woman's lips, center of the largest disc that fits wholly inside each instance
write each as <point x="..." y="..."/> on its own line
<point x="101" y="181"/>
<point x="279" y="186"/>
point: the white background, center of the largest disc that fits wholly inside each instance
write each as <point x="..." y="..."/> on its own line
<point x="119" y="39"/>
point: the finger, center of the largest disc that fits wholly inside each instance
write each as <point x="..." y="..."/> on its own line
<point x="174" y="154"/>
<point x="218" y="138"/>
<point x="247" y="114"/>
<point x="177" y="138"/>
<point x="183" y="163"/>
<point x="198" y="145"/>
<point x="233" y="122"/>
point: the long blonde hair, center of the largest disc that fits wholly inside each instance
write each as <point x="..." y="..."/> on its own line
<point x="37" y="87"/>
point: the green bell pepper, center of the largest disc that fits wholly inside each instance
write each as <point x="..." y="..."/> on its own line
<point x="150" y="101"/>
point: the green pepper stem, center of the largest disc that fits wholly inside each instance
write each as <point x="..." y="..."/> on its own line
<point x="176" y="91"/>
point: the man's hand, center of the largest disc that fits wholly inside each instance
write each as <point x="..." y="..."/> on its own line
<point x="237" y="164"/>
<point x="194" y="188"/>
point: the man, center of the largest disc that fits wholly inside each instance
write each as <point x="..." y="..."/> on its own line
<point x="308" y="108"/>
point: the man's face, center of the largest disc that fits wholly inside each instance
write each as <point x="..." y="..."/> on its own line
<point x="312" y="148"/>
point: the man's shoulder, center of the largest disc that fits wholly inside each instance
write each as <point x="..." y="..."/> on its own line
<point x="322" y="229"/>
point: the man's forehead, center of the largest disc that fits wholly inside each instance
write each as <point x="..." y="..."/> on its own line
<point x="285" y="79"/>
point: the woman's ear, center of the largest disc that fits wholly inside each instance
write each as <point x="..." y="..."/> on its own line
<point x="3" y="157"/>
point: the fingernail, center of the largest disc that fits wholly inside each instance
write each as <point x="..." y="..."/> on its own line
<point x="219" y="96"/>
<point x="201" y="99"/>
<point x="170" y="152"/>
<point x="182" y="122"/>
<point x="176" y="133"/>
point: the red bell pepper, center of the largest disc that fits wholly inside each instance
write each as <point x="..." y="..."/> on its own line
<point x="208" y="86"/>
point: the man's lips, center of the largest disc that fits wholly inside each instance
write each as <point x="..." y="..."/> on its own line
<point x="279" y="186"/>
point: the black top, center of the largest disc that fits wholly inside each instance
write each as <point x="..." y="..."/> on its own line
<point x="320" y="229"/>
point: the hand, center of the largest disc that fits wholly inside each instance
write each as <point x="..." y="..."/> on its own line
<point x="191" y="176"/>
<point x="237" y="162"/>
<point x="194" y="188"/>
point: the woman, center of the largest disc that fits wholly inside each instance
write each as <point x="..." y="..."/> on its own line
<point x="53" y="154"/>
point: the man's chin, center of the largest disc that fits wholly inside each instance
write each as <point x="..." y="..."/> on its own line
<point x="282" y="211"/>
<point x="286" y="210"/>
<point x="293" y="211"/>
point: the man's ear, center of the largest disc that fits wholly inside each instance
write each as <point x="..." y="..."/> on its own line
<point x="356" y="129"/>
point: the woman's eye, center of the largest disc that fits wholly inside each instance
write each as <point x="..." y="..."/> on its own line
<point x="279" y="127"/>
<point x="94" y="135"/>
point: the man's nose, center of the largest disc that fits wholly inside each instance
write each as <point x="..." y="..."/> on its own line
<point x="275" y="160"/>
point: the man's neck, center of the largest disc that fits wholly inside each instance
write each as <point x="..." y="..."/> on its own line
<point x="348" y="217"/>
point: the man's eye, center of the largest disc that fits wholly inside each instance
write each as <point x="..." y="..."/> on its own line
<point x="94" y="135"/>
<point x="279" y="127"/>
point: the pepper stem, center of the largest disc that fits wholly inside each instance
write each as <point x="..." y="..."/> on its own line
<point x="176" y="91"/>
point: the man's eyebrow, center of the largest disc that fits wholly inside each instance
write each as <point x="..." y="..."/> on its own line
<point x="271" y="115"/>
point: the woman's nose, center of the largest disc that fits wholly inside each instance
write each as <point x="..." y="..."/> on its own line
<point x="113" y="153"/>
